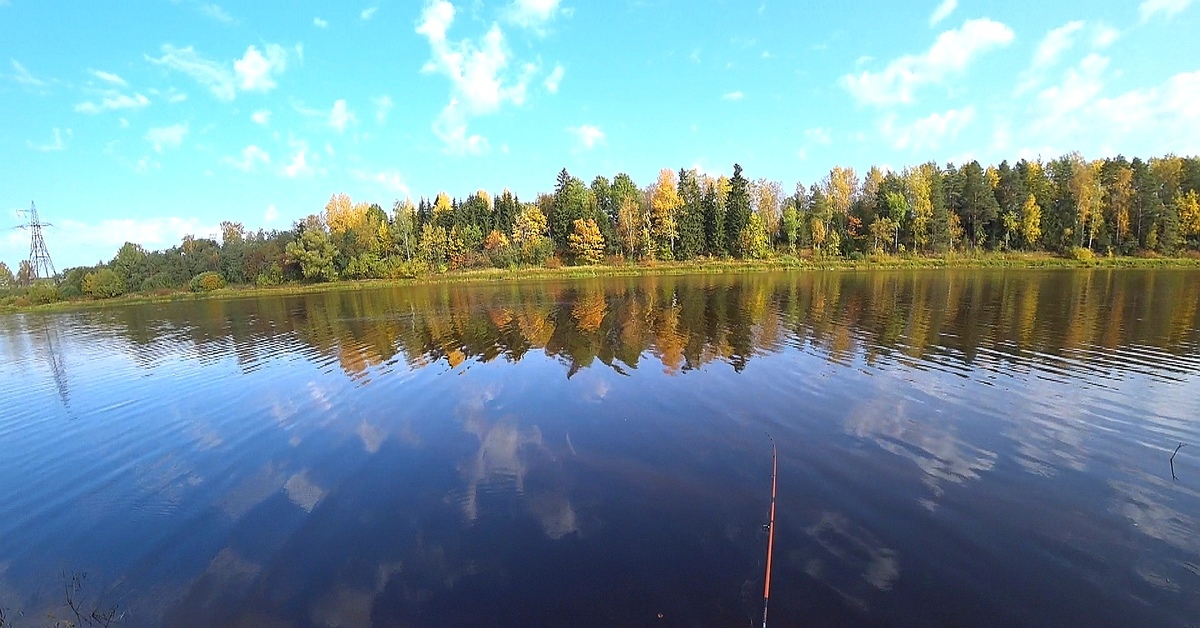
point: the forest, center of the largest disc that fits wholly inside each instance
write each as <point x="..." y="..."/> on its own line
<point x="1068" y="206"/>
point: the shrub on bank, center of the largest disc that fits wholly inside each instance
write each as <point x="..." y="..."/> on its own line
<point x="207" y="282"/>
<point x="103" y="284"/>
<point x="1081" y="254"/>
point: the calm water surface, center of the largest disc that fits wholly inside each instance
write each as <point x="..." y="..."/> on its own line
<point x="956" y="448"/>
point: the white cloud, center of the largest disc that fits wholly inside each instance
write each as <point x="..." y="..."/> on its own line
<point x="320" y="23"/>
<point x="1057" y="106"/>
<point x="251" y="156"/>
<point x="1168" y="8"/>
<point x="211" y="74"/>
<point x="383" y="106"/>
<point x="57" y="144"/>
<point x="177" y="98"/>
<point x="23" y="76"/>
<point x="253" y="72"/>
<point x="942" y="11"/>
<point x="1164" y="117"/>
<point x="589" y="136"/>
<point x="262" y="116"/>
<point x="554" y="79"/>
<point x="167" y="136"/>
<point x="480" y="80"/>
<point x="107" y="235"/>
<point x="108" y="77"/>
<point x="271" y="215"/>
<point x="298" y="167"/>
<point x="950" y="54"/>
<point x="390" y="180"/>
<point x="257" y="71"/>
<point x="927" y="133"/>
<point x="1048" y="51"/>
<point x="819" y="135"/>
<point x="1105" y="36"/>
<point x="217" y="13"/>
<point x="534" y="15"/>
<point x="733" y="96"/>
<point x="340" y="116"/>
<point x="368" y="13"/>
<point x="144" y="164"/>
<point x="113" y="101"/>
<point x="1055" y="43"/>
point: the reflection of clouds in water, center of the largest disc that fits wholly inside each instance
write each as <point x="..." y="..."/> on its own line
<point x="251" y="491"/>
<point x="319" y="395"/>
<point x="228" y="567"/>
<point x="350" y="606"/>
<point x="303" y="492"/>
<point x="498" y="463"/>
<point x="927" y="441"/>
<point x="594" y="385"/>
<point x="555" y="513"/>
<point x="506" y="455"/>
<point x="372" y="437"/>
<point x="855" y="564"/>
<point x="1144" y="508"/>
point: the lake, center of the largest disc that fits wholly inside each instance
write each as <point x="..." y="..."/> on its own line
<point x="955" y="448"/>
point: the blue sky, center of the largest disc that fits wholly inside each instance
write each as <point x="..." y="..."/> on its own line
<point x="146" y="120"/>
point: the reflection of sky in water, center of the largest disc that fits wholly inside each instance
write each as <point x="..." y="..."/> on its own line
<point x="593" y="453"/>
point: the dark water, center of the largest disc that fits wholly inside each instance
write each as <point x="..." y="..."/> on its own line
<point x="956" y="448"/>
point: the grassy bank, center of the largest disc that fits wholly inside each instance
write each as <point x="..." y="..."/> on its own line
<point x="782" y="263"/>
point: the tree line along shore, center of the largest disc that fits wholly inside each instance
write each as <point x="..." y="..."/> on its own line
<point x="1031" y="213"/>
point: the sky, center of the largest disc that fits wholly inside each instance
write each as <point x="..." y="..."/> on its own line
<point x="148" y="120"/>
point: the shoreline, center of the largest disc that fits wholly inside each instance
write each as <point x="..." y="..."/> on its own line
<point x="1012" y="261"/>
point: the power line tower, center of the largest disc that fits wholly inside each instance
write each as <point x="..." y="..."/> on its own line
<point x="39" y="255"/>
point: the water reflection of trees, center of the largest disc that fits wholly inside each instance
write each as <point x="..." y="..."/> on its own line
<point x="1054" y="320"/>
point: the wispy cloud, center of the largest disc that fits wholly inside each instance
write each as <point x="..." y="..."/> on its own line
<point x="587" y="135"/>
<point x="554" y="79"/>
<point x="216" y="12"/>
<point x="108" y="77"/>
<point x="254" y="71"/>
<point x="164" y="137"/>
<point x="298" y="166"/>
<point x="929" y="132"/>
<point x="217" y="77"/>
<point x="818" y="136"/>
<point x="390" y="180"/>
<point x="56" y="144"/>
<point x="23" y="76"/>
<point x="251" y="156"/>
<point x="320" y="23"/>
<point x="734" y="96"/>
<point x="368" y="13"/>
<point x="1167" y="8"/>
<point x="341" y="116"/>
<point x="942" y="11"/>
<point x="535" y="15"/>
<point x="1053" y="45"/>
<point x="262" y="116"/>
<point x="951" y="54"/>
<point x="112" y="101"/>
<point x="383" y="106"/>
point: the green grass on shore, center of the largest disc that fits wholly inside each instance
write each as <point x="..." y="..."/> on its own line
<point x="782" y="263"/>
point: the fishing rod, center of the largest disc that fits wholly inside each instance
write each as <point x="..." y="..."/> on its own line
<point x="770" y="530"/>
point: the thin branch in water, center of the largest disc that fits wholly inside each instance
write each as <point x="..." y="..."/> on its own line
<point x="1173" y="477"/>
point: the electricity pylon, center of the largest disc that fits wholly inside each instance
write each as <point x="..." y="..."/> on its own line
<point x="41" y="266"/>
